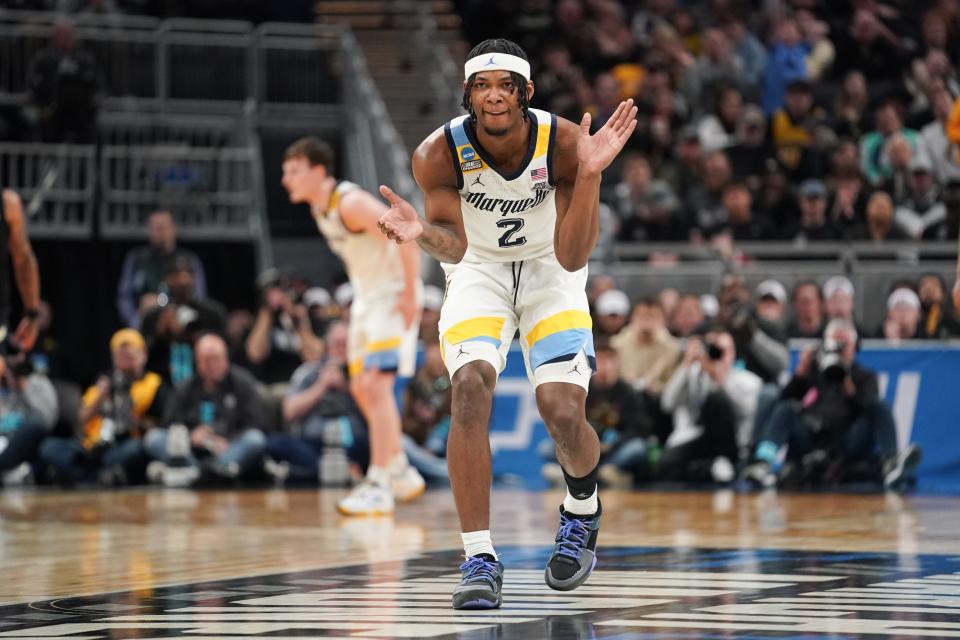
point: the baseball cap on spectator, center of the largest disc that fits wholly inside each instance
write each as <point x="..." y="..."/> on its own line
<point x="613" y="303"/>
<point x="709" y="305"/>
<point x="920" y="163"/>
<point x="316" y="296"/>
<point x="752" y="114"/>
<point x="432" y="297"/>
<point x="343" y="294"/>
<point x="813" y="188"/>
<point x="688" y="133"/>
<point x="903" y="296"/>
<point x="129" y="338"/>
<point x="835" y="284"/>
<point x="772" y="289"/>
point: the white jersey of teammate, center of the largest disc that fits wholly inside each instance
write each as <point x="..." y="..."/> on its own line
<point x="507" y="218"/>
<point x="372" y="262"/>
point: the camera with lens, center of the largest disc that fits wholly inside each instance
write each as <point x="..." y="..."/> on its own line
<point x="830" y="361"/>
<point x="714" y="352"/>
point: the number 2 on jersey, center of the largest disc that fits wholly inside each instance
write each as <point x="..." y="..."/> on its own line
<point x="512" y="226"/>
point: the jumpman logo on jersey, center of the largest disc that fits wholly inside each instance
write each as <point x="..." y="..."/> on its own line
<point x="477" y="181"/>
<point x="462" y="352"/>
<point x="490" y="62"/>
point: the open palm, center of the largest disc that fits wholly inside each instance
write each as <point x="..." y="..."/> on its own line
<point x="596" y="152"/>
<point x="401" y="222"/>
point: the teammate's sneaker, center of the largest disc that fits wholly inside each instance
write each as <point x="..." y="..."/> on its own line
<point x="367" y="499"/>
<point x="408" y="485"/>
<point x="899" y="467"/>
<point x="480" y="583"/>
<point x="574" y="554"/>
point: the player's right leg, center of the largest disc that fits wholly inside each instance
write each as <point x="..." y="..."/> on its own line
<point x="477" y="324"/>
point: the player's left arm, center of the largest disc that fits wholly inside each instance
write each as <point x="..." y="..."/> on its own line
<point x="579" y="161"/>
<point x="360" y="212"/>
<point x="24" y="268"/>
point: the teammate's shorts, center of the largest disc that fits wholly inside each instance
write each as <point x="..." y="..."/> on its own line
<point x="378" y="338"/>
<point x="486" y="304"/>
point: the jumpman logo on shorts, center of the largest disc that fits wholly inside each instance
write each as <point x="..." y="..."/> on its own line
<point x="576" y="369"/>
<point x="462" y="352"/>
<point x="477" y="181"/>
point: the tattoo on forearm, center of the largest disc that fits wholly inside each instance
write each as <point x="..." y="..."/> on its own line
<point x="441" y="244"/>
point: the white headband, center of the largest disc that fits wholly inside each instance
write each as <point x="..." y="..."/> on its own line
<point x="496" y="62"/>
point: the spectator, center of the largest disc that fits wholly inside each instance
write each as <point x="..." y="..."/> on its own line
<point x="684" y="173"/>
<point x="686" y="317"/>
<point x="934" y="137"/>
<point x="850" y="108"/>
<point x="64" y="82"/>
<point x="922" y="210"/>
<point x="816" y="34"/>
<point x="705" y="201"/>
<point x="775" y="200"/>
<point x="786" y="62"/>
<point x="903" y="316"/>
<point x="771" y="303"/>
<point x="880" y="226"/>
<point x="647" y="208"/>
<point x="761" y="346"/>
<point x="838" y="299"/>
<point x="717" y="66"/>
<point x="215" y="417"/>
<point x="850" y="191"/>
<point x="645" y="349"/>
<point x="750" y="152"/>
<point x="319" y="414"/>
<point x="181" y="315"/>
<point x="798" y="131"/>
<point x="718" y="130"/>
<point x="426" y="417"/>
<point x="115" y="414"/>
<point x="938" y="320"/>
<point x="282" y="336"/>
<point x="318" y="301"/>
<point x="808" y="318"/>
<point x="713" y="406"/>
<point x="872" y="47"/>
<point x="751" y="51"/>
<point x="900" y="158"/>
<point x="814" y="224"/>
<point x="667" y="298"/>
<point x="875" y="159"/>
<point x="28" y="410"/>
<point x="144" y="268"/>
<point x="831" y="415"/>
<point x="742" y="222"/>
<point x="611" y="312"/>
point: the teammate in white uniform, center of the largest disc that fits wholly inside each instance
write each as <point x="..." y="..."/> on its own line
<point x="387" y="294"/>
<point x="512" y="205"/>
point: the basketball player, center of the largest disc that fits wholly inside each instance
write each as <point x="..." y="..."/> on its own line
<point x="384" y="318"/>
<point x="15" y="244"/>
<point x="512" y="200"/>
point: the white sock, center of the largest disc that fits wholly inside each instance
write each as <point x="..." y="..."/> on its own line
<point x="477" y="542"/>
<point x="398" y="464"/>
<point x="586" y="507"/>
<point x="378" y="476"/>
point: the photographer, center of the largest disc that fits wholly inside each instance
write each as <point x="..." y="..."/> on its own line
<point x="830" y="414"/>
<point x="181" y="315"/>
<point x="761" y="342"/>
<point x="115" y="413"/>
<point x="28" y="410"/>
<point x="713" y="406"/>
<point x="282" y="337"/>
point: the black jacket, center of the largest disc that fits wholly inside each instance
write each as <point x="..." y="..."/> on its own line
<point x="232" y="408"/>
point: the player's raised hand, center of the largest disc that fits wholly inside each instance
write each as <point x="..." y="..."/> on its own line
<point x="596" y="152"/>
<point x="401" y="222"/>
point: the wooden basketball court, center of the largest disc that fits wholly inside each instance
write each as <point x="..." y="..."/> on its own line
<point x="283" y="564"/>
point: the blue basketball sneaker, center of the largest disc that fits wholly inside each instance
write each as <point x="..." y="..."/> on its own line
<point x="574" y="556"/>
<point x="480" y="585"/>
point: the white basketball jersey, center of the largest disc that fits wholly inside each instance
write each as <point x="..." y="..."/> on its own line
<point x="371" y="260"/>
<point x="506" y="217"/>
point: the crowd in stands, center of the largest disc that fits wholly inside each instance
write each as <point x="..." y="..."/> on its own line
<point x="791" y="120"/>
<point x="688" y="388"/>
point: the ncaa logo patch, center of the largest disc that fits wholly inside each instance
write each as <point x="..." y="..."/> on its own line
<point x="467" y="154"/>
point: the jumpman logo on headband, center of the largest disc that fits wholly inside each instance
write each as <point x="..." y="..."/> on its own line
<point x="490" y="62"/>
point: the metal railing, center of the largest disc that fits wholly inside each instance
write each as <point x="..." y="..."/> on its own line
<point x="183" y="64"/>
<point x="444" y="76"/>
